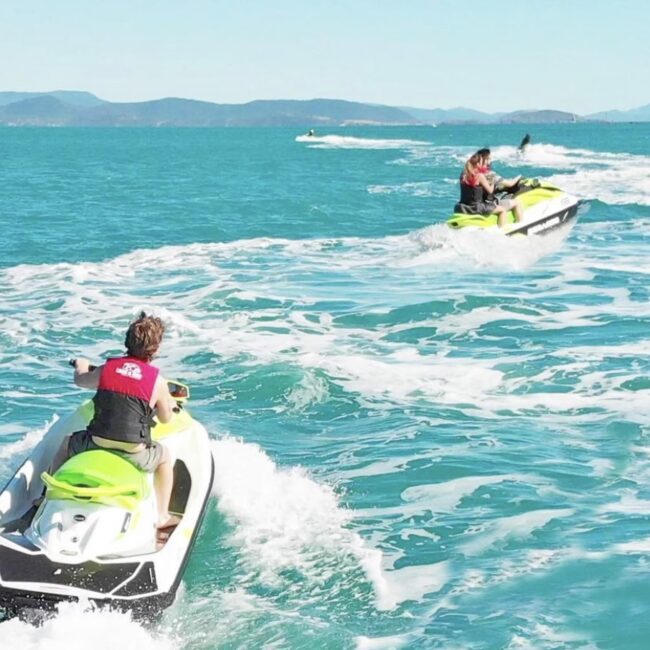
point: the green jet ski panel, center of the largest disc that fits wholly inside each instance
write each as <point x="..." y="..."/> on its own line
<point x="98" y="476"/>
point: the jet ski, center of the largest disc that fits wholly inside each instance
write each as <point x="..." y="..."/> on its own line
<point x="87" y="532"/>
<point x="545" y="208"/>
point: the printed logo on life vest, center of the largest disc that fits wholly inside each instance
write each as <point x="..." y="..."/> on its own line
<point x="131" y="370"/>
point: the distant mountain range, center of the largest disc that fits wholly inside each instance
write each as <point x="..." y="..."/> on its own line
<point x="76" y="108"/>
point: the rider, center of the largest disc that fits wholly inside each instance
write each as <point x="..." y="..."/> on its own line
<point x="129" y="392"/>
<point x="525" y="141"/>
<point x="485" y="166"/>
<point x="477" y="191"/>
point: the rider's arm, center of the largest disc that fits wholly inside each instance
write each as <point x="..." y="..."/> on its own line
<point x="84" y="376"/>
<point x="164" y="403"/>
<point x="485" y="184"/>
<point x="511" y="182"/>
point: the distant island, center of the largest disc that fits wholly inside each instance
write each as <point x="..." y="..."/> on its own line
<point x="77" y="108"/>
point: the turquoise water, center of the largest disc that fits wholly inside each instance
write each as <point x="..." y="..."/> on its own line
<point x="423" y="438"/>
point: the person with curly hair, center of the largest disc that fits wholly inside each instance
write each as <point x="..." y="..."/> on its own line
<point x="129" y="392"/>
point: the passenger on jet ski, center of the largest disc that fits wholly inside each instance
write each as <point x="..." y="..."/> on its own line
<point x="477" y="192"/>
<point x="500" y="184"/>
<point x="129" y="392"/>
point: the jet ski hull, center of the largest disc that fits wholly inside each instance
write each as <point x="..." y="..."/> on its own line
<point x="137" y="576"/>
<point x="125" y="586"/>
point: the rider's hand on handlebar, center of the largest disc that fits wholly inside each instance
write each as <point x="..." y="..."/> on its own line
<point x="81" y="365"/>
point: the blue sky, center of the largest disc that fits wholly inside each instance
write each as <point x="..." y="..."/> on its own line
<point x="501" y="55"/>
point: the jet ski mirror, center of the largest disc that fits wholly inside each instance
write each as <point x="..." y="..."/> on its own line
<point x="180" y="392"/>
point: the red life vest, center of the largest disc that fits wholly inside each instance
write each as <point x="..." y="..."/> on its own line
<point x="122" y="401"/>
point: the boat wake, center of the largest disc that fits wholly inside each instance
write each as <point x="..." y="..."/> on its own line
<point x="613" y="178"/>
<point x="98" y="629"/>
<point x="483" y="247"/>
<point x="351" y="142"/>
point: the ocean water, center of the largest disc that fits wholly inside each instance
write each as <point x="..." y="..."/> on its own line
<point x="423" y="438"/>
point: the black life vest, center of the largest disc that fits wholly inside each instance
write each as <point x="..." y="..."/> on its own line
<point x="471" y="194"/>
<point x="122" y="401"/>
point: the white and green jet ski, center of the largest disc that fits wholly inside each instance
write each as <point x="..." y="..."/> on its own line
<point x="88" y="531"/>
<point x="545" y="208"/>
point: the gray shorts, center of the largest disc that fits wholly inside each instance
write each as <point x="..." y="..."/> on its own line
<point x="147" y="459"/>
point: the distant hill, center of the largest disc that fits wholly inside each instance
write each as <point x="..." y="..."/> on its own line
<point x="73" y="97"/>
<point x="77" y="108"/>
<point x="39" y="110"/>
<point x="641" y="114"/>
<point x="470" y="116"/>
<point x="539" y="117"/>
<point x="51" y="110"/>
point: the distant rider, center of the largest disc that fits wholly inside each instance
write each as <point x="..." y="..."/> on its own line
<point x="525" y="141"/>
<point x="129" y="392"/>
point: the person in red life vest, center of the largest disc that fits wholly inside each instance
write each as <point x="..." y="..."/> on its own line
<point x="485" y="167"/>
<point x="130" y="391"/>
<point x="477" y="192"/>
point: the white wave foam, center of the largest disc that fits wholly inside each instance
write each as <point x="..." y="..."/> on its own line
<point x="310" y="390"/>
<point x="411" y="376"/>
<point x="368" y="362"/>
<point x="382" y="643"/>
<point x="352" y="357"/>
<point x="629" y="504"/>
<point x="535" y="634"/>
<point x="614" y="178"/>
<point x="444" y="497"/>
<point x="27" y="442"/>
<point x="284" y="520"/>
<point x="380" y="468"/>
<point x="77" y="627"/>
<point x="622" y="183"/>
<point x="351" y="142"/>
<point x="483" y="247"/>
<point x="636" y="546"/>
<point x="488" y="534"/>
<point x="438" y="498"/>
<point x="413" y="583"/>
<point x="425" y="189"/>
<point x="546" y="155"/>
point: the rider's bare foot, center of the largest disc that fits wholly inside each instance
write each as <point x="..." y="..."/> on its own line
<point x="165" y="527"/>
<point x="167" y="521"/>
